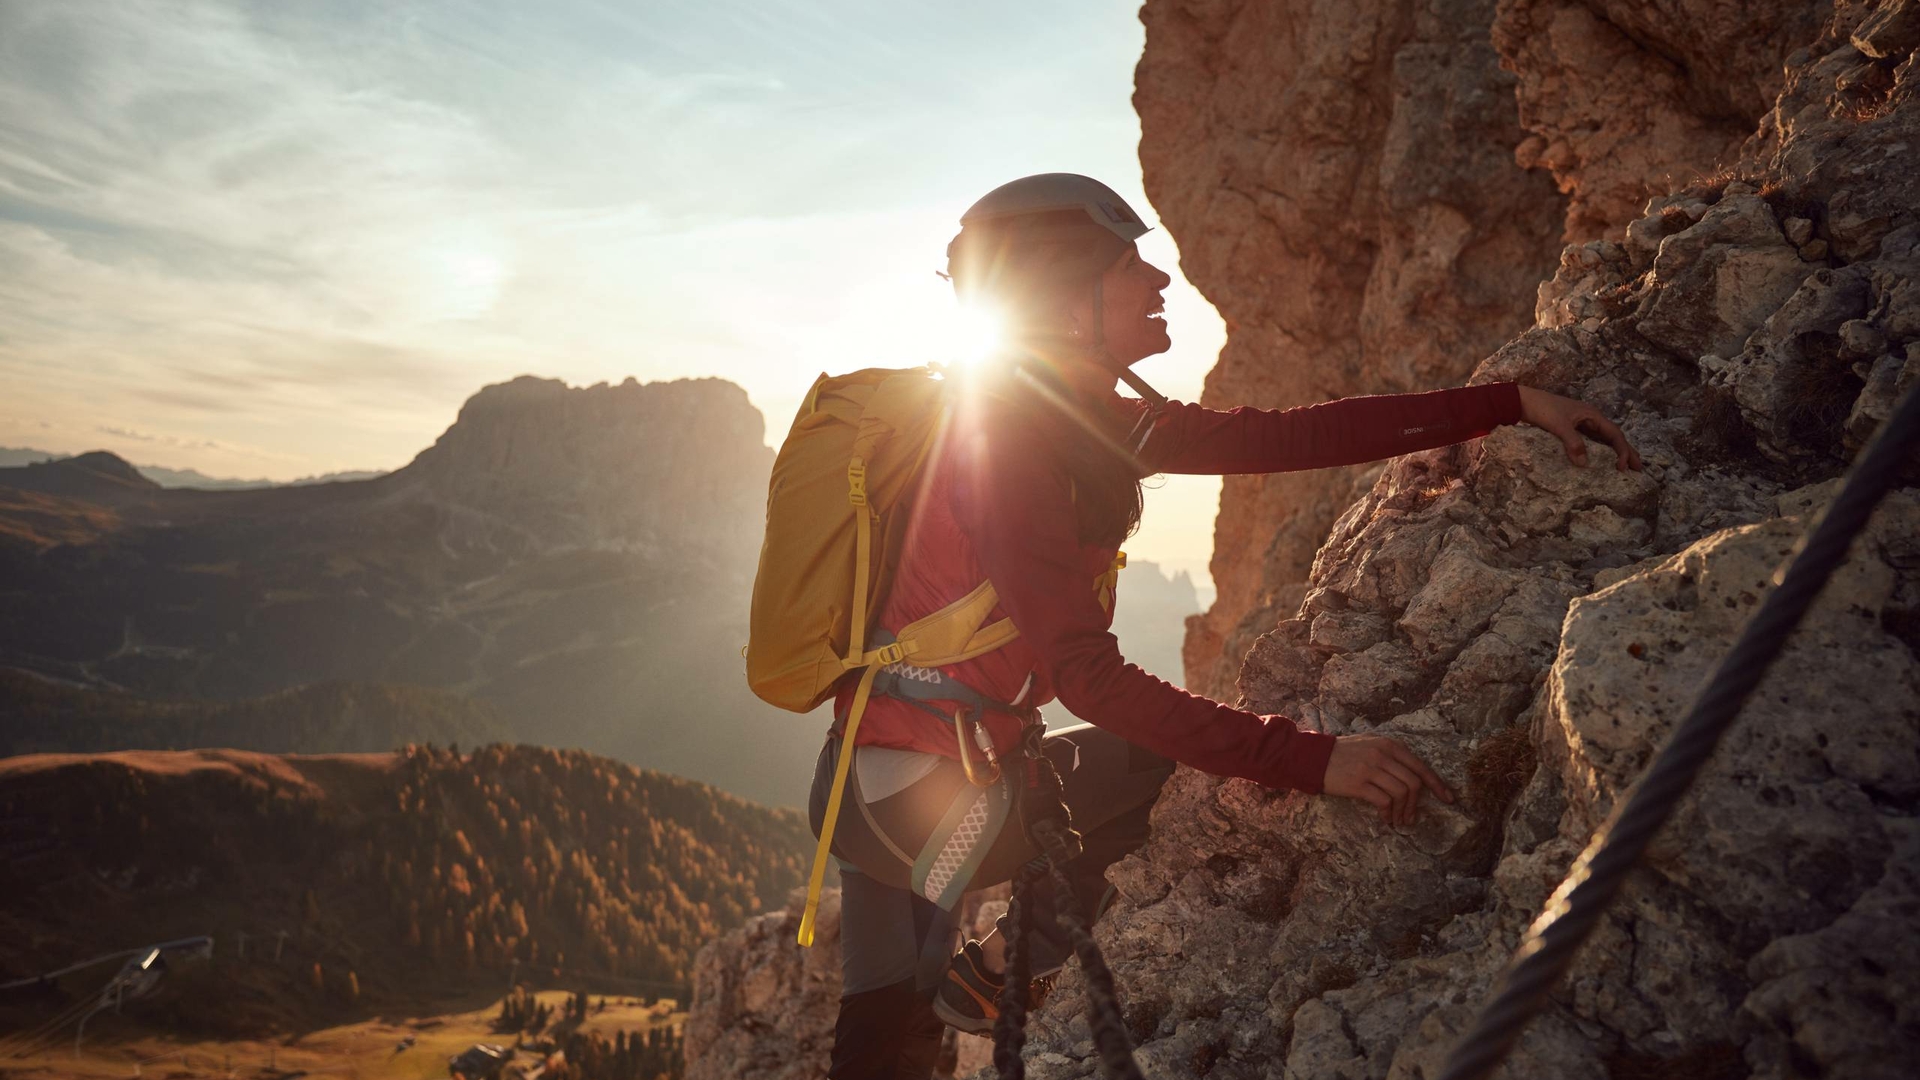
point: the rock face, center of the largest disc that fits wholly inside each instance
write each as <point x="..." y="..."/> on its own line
<point x="764" y="1009"/>
<point x="1624" y="101"/>
<point x="1341" y="178"/>
<point x="1535" y="630"/>
<point x="1350" y="185"/>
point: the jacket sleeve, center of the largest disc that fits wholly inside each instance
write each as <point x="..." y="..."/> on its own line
<point x="1017" y="510"/>
<point x="1191" y="439"/>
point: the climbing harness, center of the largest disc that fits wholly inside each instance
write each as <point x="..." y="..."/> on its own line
<point x="1600" y="871"/>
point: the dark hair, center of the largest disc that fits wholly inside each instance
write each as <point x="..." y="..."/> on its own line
<point x="1087" y="441"/>
<point x="1107" y="495"/>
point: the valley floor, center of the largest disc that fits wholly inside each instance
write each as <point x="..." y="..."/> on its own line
<point x="358" y="1051"/>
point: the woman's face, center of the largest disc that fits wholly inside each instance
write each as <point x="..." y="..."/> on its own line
<point x="1131" y="310"/>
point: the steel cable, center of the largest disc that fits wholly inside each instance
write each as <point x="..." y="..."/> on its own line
<point x="1105" y="1020"/>
<point x="21" y="1044"/>
<point x="1600" y="871"/>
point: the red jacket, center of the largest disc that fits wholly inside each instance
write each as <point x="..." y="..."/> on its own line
<point x="998" y="507"/>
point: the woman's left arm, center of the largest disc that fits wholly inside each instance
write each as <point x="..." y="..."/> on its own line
<point x="1350" y="431"/>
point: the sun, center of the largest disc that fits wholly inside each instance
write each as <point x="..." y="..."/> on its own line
<point x="461" y="278"/>
<point x="978" y="333"/>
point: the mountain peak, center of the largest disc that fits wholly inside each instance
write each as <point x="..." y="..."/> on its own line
<point x="632" y="463"/>
<point x="105" y="463"/>
<point x="96" y="476"/>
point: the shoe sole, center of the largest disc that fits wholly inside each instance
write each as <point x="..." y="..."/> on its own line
<point x="971" y="1025"/>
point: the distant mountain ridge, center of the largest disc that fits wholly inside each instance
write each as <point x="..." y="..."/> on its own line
<point x="42" y="716"/>
<point x="15" y="456"/>
<point x="1152" y="622"/>
<point x="578" y="559"/>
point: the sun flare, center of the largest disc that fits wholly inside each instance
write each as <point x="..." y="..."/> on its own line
<point x="890" y="322"/>
<point x="977" y="334"/>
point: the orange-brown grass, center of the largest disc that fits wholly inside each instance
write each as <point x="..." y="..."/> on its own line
<point x="40" y="521"/>
<point x="1499" y="767"/>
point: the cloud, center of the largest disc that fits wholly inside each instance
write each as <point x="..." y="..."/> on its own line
<point x="162" y="440"/>
<point x="307" y="232"/>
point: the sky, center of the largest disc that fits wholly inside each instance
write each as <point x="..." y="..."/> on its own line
<point x="279" y="239"/>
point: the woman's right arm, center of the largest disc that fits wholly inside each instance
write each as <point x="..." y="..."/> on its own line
<point x="1018" y="512"/>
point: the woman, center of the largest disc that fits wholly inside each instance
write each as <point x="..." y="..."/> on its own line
<point x="1034" y="489"/>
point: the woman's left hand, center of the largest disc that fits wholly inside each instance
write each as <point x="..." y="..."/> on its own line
<point x="1566" y="419"/>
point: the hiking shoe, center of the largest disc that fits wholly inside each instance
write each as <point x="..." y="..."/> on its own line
<point x="966" y="998"/>
<point x="969" y="999"/>
<point x="1038" y="989"/>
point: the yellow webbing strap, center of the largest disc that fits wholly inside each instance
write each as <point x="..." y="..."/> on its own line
<point x="820" y="853"/>
<point x="954" y="633"/>
<point x="1105" y="584"/>
<point x="984" y="640"/>
<point x="862" y="558"/>
<point x="856" y="655"/>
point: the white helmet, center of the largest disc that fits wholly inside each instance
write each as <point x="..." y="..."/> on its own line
<point x="1046" y="192"/>
<point x="1043" y="253"/>
<point x="1026" y="239"/>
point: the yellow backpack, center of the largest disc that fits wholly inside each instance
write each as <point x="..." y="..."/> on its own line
<point x="837" y="512"/>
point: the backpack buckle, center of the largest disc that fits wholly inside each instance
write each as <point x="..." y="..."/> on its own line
<point x="891" y="653"/>
<point x="857" y="482"/>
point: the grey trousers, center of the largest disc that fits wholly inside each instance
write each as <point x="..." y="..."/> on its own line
<point x="886" y="925"/>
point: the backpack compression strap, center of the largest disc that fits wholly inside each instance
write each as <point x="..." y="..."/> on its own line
<point x="948" y="636"/>
<point x="856" y="657"/>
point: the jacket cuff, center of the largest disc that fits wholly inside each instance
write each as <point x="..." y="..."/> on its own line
<point x="1506" y="402"/>
<point x="1305" y="766"/>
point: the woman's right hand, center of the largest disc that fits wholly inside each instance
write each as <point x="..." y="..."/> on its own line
<point x="1383" y="772"/>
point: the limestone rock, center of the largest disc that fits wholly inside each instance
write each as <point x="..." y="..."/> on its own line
<point x="1411" y="119"/>
<point x="763" y="1008"/>
<point x="1891" y="31"/>
<point x="1622" y="100"/>
<point x="1824" y="994"/>
<point x="1392" y="256"/>
<point x="1721" y="278"/>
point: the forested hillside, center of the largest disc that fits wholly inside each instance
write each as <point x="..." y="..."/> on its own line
<point x="358" y="879"/>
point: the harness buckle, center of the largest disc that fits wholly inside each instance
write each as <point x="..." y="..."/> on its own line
<point x="891" y="653"/>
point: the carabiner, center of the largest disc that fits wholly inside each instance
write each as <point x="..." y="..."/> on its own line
<point x="962" y="720"/>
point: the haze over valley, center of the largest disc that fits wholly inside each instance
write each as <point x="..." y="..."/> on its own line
<point x="564" y="567"/>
